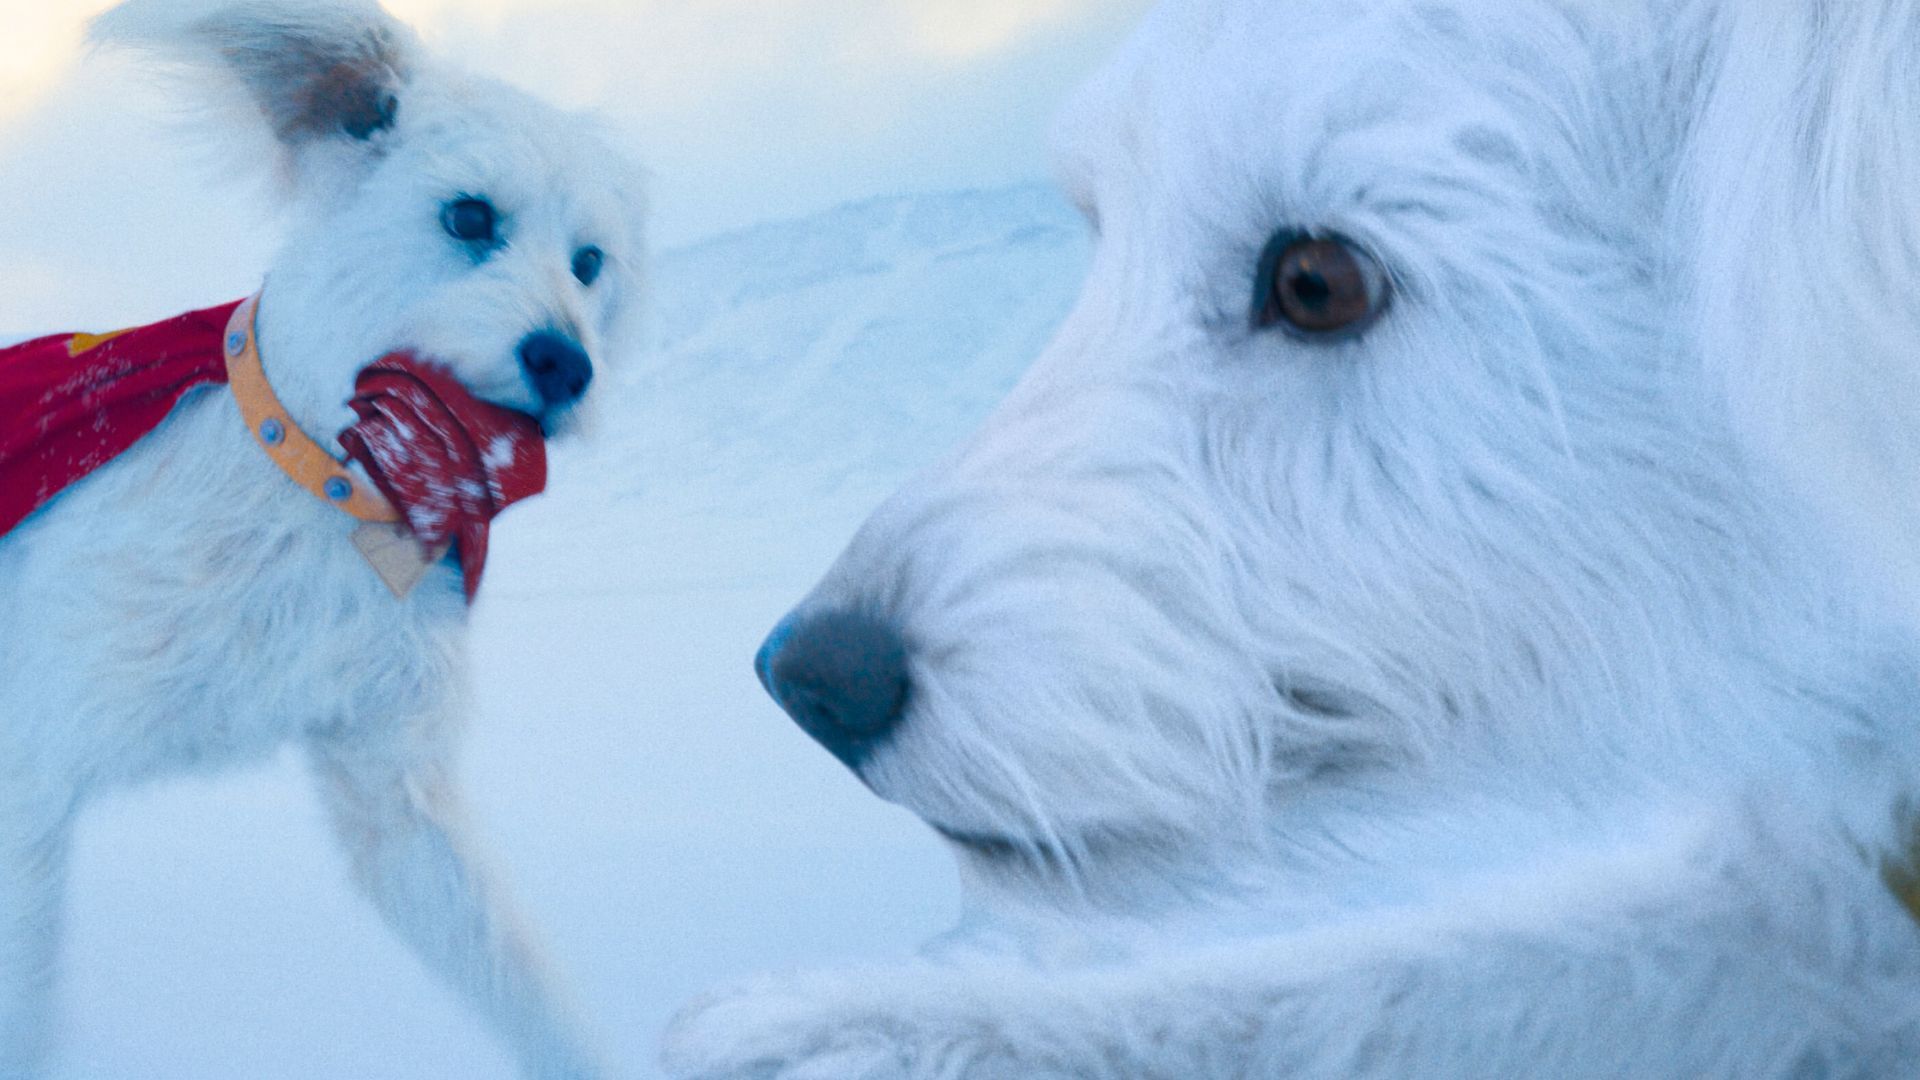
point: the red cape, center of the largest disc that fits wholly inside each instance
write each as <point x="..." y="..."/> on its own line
<point x="73" y="402"/>
<point x="448" y="460"/>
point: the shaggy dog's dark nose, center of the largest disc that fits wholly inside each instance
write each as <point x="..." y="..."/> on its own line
<point x="841" y="675"/>
<point x="557" y="365"/>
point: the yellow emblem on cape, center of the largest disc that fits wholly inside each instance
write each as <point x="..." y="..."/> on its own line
<point x="80" y="343"/>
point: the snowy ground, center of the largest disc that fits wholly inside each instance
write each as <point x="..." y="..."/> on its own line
<point x="660" y="818"/>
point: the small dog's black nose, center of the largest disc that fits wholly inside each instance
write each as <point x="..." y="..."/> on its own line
<point x="841" y="675"/>
<point x="557" y="365"/>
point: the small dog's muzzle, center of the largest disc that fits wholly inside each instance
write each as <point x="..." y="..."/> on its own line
<point x="557" y="366"/>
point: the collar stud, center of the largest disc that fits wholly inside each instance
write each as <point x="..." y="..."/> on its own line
<point x="294" y="451"/>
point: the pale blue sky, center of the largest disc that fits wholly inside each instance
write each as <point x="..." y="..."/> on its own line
<point x="744" y="110"/>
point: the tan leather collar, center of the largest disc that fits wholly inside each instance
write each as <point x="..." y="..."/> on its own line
<point x="310" y="466"/>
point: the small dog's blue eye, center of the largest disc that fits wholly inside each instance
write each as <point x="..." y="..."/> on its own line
<point x="587" y="263"/>
<point x="470" y="220"/>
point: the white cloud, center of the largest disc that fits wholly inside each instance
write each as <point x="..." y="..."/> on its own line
<point x="968" y="28"/>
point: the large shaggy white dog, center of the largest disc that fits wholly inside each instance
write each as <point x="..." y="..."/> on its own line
<point x="1359" y="648"/>
<point x="1807" y="157"/>
<point x="189" y="607"/>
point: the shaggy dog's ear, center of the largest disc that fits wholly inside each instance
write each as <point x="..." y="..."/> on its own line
<point x="322" y="71"/>
<point x="1802" y="191"/>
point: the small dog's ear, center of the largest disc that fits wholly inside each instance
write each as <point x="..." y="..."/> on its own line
<point x="633" y="301"/>
<point x="324" y="69"/>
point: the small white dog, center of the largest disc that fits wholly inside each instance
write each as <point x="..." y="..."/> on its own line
<point x="189" y="607"/>
<point x="1359" y="647"/>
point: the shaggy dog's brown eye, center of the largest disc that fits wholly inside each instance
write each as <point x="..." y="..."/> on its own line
<point x="1317" y="285"/>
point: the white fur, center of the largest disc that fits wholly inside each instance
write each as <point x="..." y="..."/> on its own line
<point x="188" y="608"/>
<point x="1801" y="195"/>
<point x="1455" y="701"/>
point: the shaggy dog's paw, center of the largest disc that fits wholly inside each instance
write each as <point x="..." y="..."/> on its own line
<point x="779" y="1030"/>
<point x="851" y="1026"/>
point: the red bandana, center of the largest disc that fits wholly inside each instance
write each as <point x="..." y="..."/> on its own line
<point x="446" y="460"/>
<point x="71" y="403"/>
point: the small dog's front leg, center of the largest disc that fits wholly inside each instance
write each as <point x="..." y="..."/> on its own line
<point x="33" y="862"/>
<point x="402" y="830"/>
